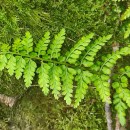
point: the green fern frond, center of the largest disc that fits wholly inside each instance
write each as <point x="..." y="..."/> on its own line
<point x="56" y="45"/>
<point x="55" y="84"/>
<point x="75" y="52"/>
<point x="29" y="71"/>
<point x="43" y="77"/>
<point x="27" y="43"/>
<point x="11" y="64"/>
<point x="67" y="86"/>
<point x="83" y="79"/>
<point x="4" y="47"/>
<point x="41" y="46"/>
<point x="92" y="50"/>
<point x="20" y="65"/>
<point x="126" y="14"/>
<point x="3" y="62"/>
<point x="17" y="46"/>
<point x="120" y="107"/>
<point x="127" y="32"/>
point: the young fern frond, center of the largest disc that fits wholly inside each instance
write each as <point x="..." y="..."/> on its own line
<point x="56" y="45"/>
<point x="67" y="86"/>
<point x="55" y="84"/>
<point x="43" y="77"/>
<point x="41" y="46"/>
<point x="75" y="52"/>
<point x="126" y="14"/>
<point x="87" y="59"/>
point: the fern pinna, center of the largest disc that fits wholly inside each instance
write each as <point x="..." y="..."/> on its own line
<point x="58" y="73"/>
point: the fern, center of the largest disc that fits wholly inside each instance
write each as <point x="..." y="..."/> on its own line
<point x="27" y="44"/>
<point x="101" y="81"/>
<point x="41" y="46"/>
<point x="122" y="95"/>
<point x="56" y="45"/>
<point x="127" y="32"/>
<point x="126" y="14"/>
<point x="29" y="71"/>
<point x="91" y="52"/>
<point x="3" y="62"/>
<point x="11" y="64"/>
<point x="59" y="74"/>
<point x="43" y="77"/>
<point x="67" y="79"/>
<point x="20" y="65"/>
<point x="83" y="79"/>
<point x="74" y="53"/>
<point x="55" y="84"/>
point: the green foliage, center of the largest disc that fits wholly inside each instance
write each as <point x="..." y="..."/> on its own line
<point x="126" y="14"/>
<point x="56" y="45"/>
<point x="60" y="73"/>
<point x="43" y="82"/>
<point x="74" y="53"/>
<point x="42" y="45"/>
<point x="92" y="50"/>
<point x="122" y="94"/>
<point x="56" y="75"/>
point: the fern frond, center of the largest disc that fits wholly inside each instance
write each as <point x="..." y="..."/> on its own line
<point x="127" y="32"/>
<point x="126" y="14"/>
<point x="120" y="107"/>
<point x="41" y="46"/>
<point x="27" y="43"/>
<point x="75" y="52"/>
<point x="11" y="64"/>
<point x="83" y="79"/>
<point x="20" y="65"/>
<point x="4" y="47"/>
<point x="29" y="71"/>
<point x="55" y="84"/>
<point x="56" y="45"/>
<point x="3" y="62"/>
<point x="17" y="46"/>
<point x="43" y="77"/>
<point x="88" y="58"/>
<point x="67" y="86"/>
